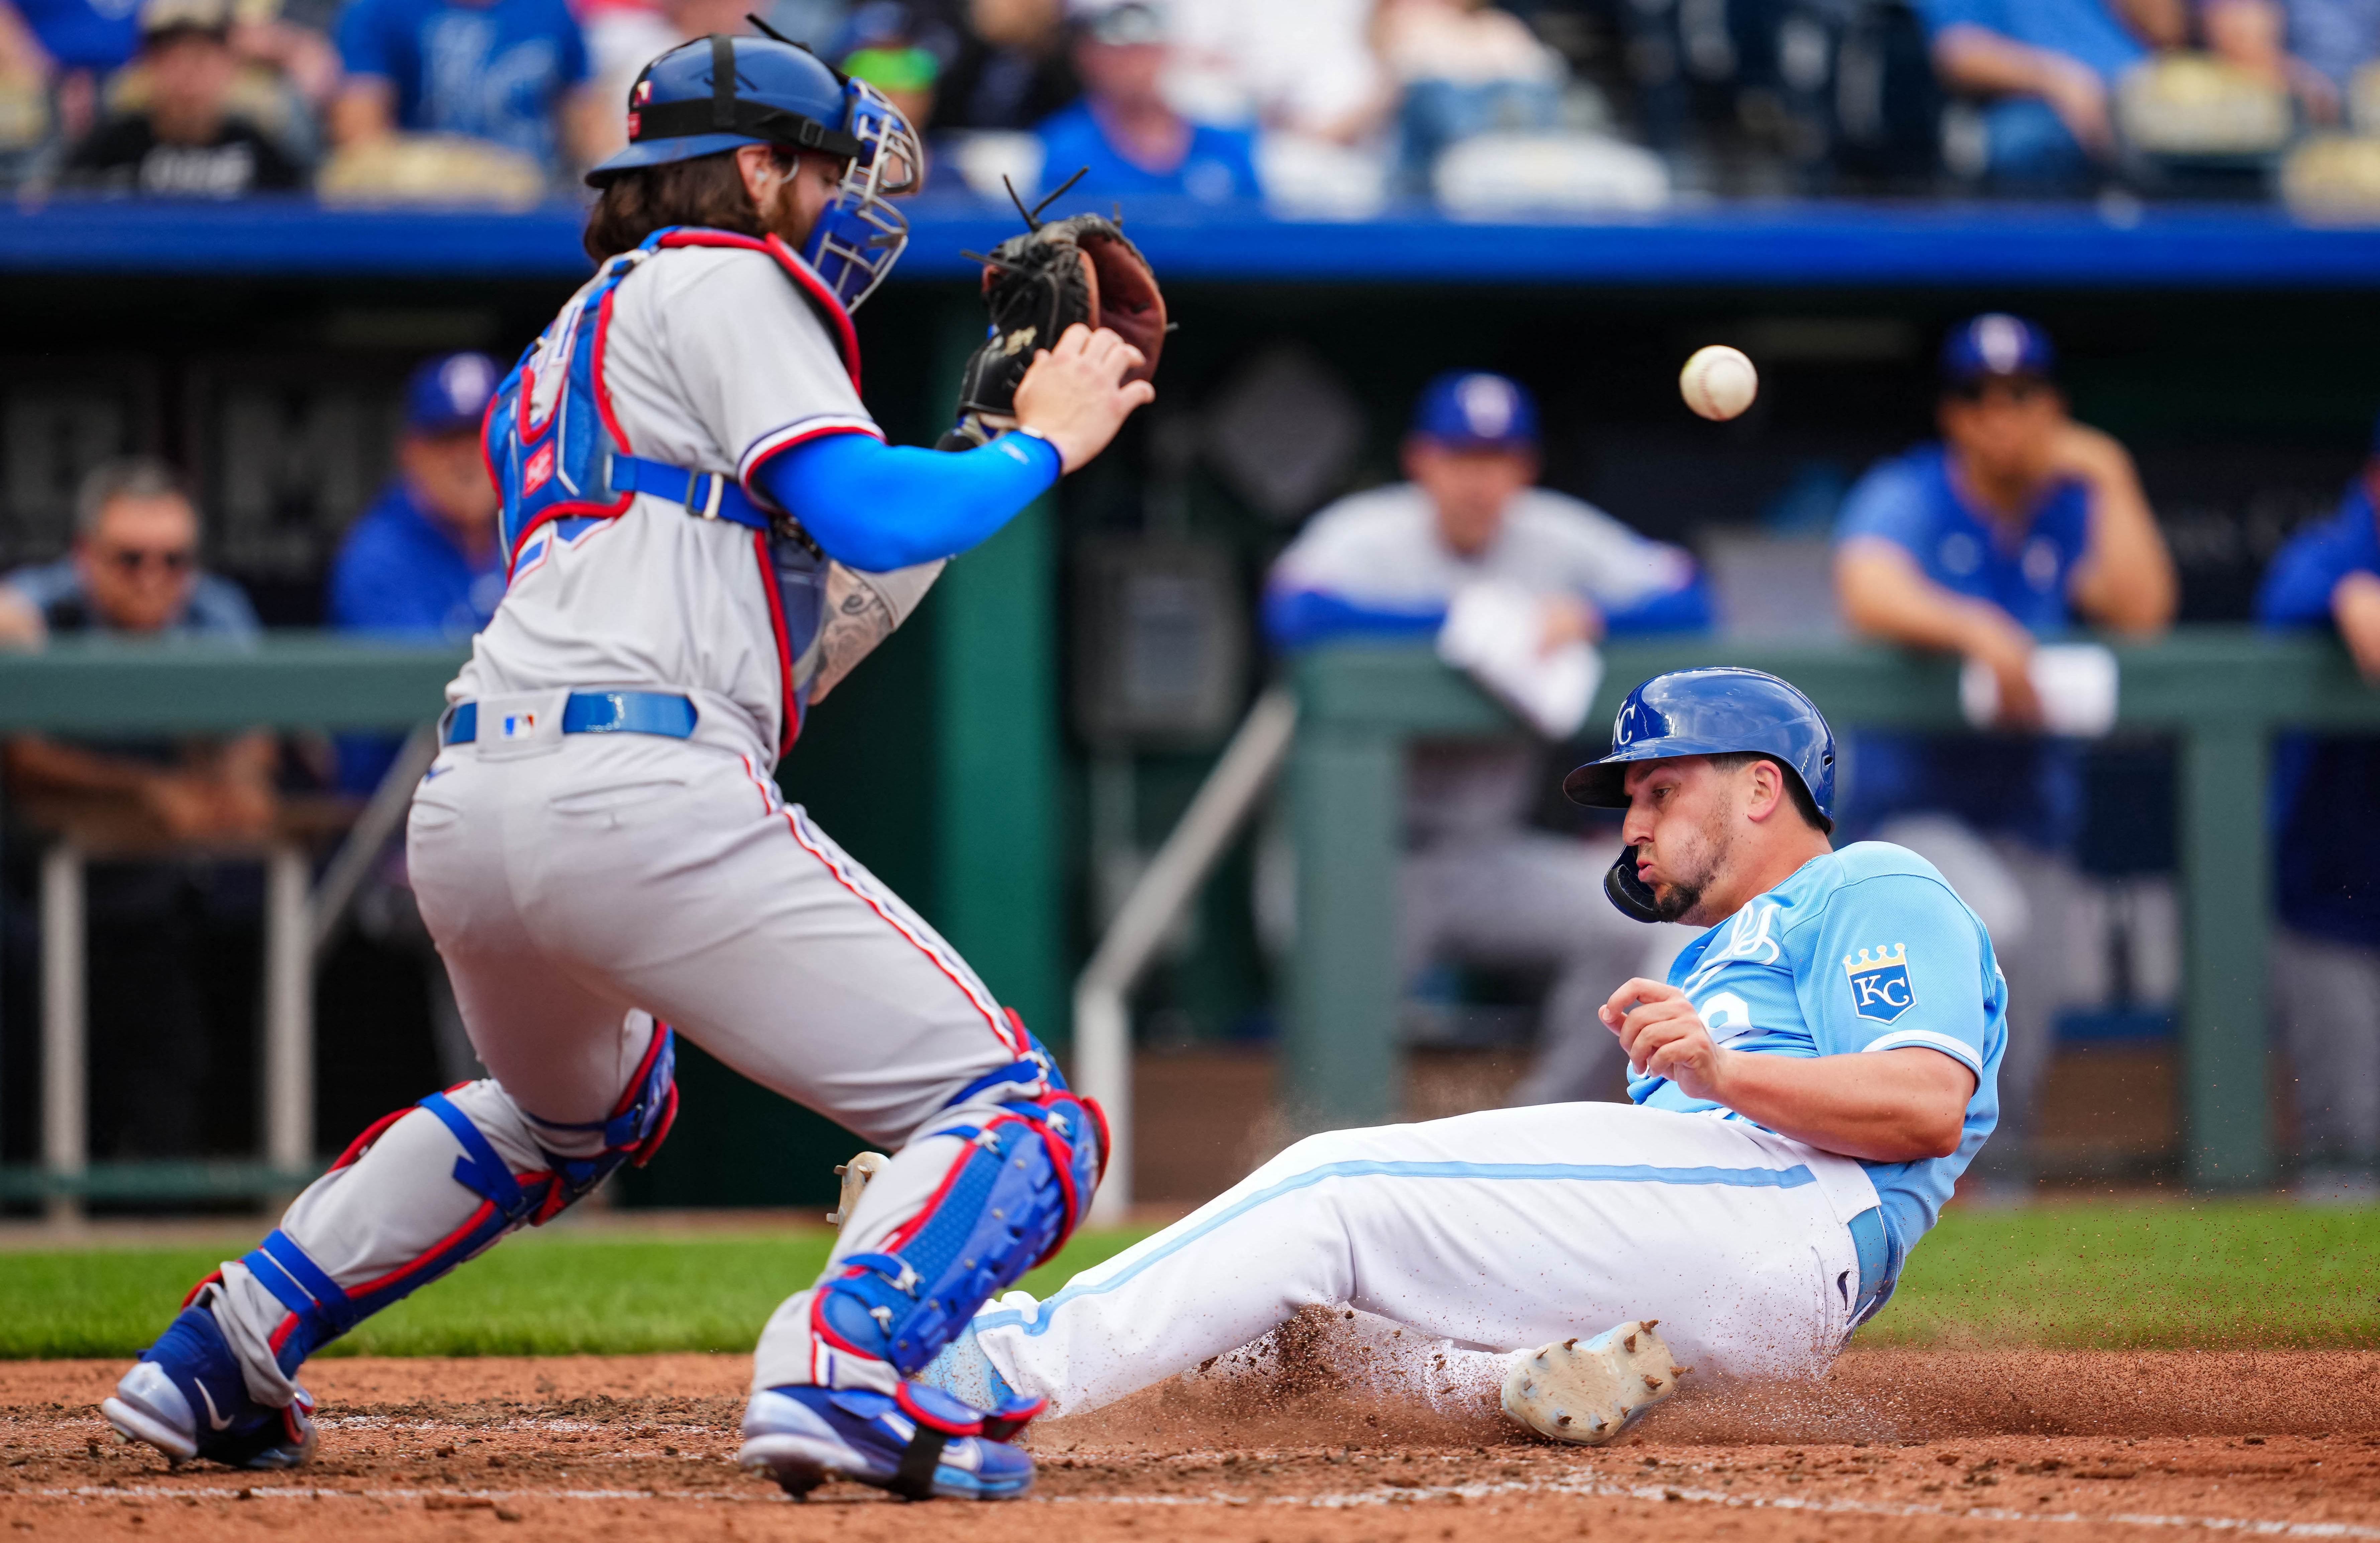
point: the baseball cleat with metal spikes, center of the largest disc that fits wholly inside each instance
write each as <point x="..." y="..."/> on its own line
<point x="1586" y="1391"/>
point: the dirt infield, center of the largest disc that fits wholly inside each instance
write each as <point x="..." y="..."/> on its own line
<point x="1894" y="1445"/>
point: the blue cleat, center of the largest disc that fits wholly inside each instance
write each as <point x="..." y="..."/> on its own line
<point x="920" y="1443"/>
<point x="186" y="1398"/>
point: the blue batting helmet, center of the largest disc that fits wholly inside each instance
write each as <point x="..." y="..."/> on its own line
<point x="1714" y="711"/>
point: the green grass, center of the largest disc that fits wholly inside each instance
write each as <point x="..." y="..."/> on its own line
<point x="540" y="1294"/>
<point x="2164" y="1274"/>
<point x="2110" y="1274"/>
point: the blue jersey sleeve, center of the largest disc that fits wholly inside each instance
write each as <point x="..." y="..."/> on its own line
<point x="364" y="40"/>
<point x="571" y="63"/>
<point x="2296" y="589"/>
<point x="373" y="588"/>
<point x="1899" y="961"/>
<point x="1685" y="608"/>
<point x="1939" y="13"/>
<point x="1295" y="617"/>
<point x="1890" y="504"/>
<point x="876" y="507"/>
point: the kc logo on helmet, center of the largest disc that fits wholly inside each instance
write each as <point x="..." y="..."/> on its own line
<point x="1880" y="989"/>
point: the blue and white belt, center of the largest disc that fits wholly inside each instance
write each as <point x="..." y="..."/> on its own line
<point x="1874" y="1242"/>
<point x="662" y="712"/>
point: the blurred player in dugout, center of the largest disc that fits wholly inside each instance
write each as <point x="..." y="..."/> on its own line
<point x="2018" y="524"/>
<point x="421" y="564"/>
<point x="134" y="570"/>
<point x="2325" y="970"/>
<point x="1479" y="886"/>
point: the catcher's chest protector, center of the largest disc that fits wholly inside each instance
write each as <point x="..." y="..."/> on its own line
<point x="550" y="434"/>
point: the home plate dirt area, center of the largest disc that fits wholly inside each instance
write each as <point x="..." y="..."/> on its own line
<point x="1893" y="1445"/>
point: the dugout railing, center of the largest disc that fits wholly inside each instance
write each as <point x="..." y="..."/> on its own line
<point x="2220" y="693"/>
<point x="102" y="689"/>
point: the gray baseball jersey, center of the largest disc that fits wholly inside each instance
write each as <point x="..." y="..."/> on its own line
<point x="711" y="361"/>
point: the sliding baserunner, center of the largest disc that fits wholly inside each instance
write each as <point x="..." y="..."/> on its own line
<point x="1808" y="1084"/>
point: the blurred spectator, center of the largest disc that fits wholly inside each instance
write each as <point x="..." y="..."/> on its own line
<point x="1011" y="69"/>
<point x="134" y="570"/>
<point x="511" y="72"/>
<point x="2020" y="523"/>
<point x="1126" y="132"/>
<point x="2313" y="47"/>
<point x="186" y="141"/>
<point x="1479" y="886"/>
<point x="1465" y="69"/>
<point x="423" y="563"/>
<point x="68" y="46"/>
<point x="1309" y="69"/>
<point x="2048" y="67"/>
<point x="892" y="47"/>
<point x="68" y="50"/>
<point x="2325" y="967"/>
<point x="20" y="621"/>
<point x="624" y="36"/>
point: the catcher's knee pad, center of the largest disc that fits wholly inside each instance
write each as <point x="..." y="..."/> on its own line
<point x="1010" y="1200"/>
<point x="321" y="1309"/>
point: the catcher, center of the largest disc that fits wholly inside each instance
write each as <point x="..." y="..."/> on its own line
<point x="706" y="531"/>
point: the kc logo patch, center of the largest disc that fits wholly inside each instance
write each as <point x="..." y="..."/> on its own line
<point x="1880" y="989"/>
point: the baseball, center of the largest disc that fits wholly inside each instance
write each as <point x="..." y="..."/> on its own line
<point x="1718" y="382"/>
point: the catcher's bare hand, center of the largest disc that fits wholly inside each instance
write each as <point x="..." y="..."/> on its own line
<point x="1075" y="395"/>
<point x="1665" y="1036"/>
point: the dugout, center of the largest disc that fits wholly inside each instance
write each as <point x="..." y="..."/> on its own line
<point x="991" y="763"/>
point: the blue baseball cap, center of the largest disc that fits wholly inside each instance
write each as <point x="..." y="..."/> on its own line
<point x="1471" y="410"/>
<point x="1995" y="345"/>
<point x="450" y="393"/>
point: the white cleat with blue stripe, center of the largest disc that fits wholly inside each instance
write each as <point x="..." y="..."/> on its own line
<point x="1586" y="1391"/>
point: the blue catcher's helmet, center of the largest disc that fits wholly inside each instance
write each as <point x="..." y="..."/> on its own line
<point x="1713" y="711"/>
<point x="718" y="93"/>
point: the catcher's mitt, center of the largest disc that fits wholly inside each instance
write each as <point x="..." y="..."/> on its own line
<point x="1080" y="269"/>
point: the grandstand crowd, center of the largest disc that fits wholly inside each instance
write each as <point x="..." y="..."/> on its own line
<point x="1335" y="106"/>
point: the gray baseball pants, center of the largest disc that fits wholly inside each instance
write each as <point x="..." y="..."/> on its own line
<point x="2327" y="1004"/>
<point x="581" y="891"/>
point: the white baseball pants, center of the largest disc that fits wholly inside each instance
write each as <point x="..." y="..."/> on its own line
<point x="581" y="891"/>
<point x="1499" y="1231"/>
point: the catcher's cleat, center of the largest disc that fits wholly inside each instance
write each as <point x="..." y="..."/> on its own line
<point x="1586" y="1391"/>
<point x="186" y="1398"/>
<point x="920" y="1443"/>
<point x="855" y="1175"/>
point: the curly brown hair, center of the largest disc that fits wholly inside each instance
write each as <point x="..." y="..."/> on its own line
<point x="707" y="190"/>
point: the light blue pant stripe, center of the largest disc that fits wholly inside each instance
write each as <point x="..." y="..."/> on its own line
<point x="1366" y="1168"/>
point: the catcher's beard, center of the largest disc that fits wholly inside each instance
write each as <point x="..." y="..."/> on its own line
<point x="1692" y="868"/>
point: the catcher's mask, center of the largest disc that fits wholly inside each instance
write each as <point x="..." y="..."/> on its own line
<point x="718" y="93"/>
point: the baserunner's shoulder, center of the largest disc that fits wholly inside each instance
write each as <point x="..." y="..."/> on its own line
<point x="1863" y="874"/>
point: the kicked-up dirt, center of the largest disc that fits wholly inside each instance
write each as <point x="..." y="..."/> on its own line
<point x="1893" y="1445"/>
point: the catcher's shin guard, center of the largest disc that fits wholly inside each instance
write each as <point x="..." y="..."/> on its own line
<point x="1009" y="1202"/>
<point x="321" y="1309"/>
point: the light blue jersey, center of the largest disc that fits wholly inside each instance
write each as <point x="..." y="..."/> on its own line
<point x="1864" y="949"/>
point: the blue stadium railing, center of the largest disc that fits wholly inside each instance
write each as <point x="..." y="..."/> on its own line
<point x="1807" y="244"/>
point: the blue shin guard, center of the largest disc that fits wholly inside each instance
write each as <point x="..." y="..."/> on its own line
<point x="1007" y="1204"/>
